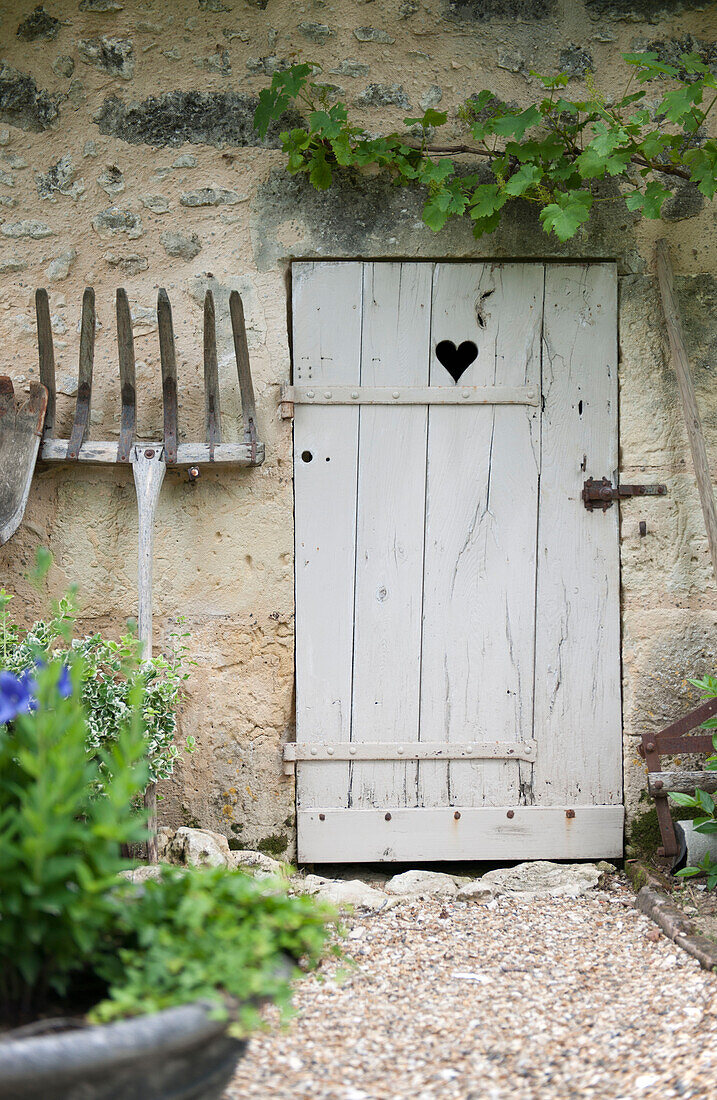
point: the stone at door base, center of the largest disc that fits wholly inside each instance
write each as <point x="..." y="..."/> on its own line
<point x="145" y="873"/>
<point x="199" y="848"/>
<point x="542" y="879"/>
<point x="421" y="883"/>
<point x="475" y="891"/>
<point x="257" y="864"/>
<point x="342" y="893"/>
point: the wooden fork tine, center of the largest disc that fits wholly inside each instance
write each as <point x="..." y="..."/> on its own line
<point x="84" y="383"/>
<point x="47" y="356"/>
<point x="128" y="392"/>
<point x="169" y="376"/>
<point x="241" y="351"/>
<point x="212" y="414"/>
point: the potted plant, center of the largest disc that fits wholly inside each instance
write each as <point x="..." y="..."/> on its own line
<point x="110" y="989"/>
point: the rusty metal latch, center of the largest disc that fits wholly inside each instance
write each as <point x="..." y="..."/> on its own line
<point x="601" y="494"/>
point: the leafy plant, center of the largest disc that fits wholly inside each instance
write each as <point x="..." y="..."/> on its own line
<point x="552" y="153"/>
<point x="59" y="845"/>
<point x="71" y="933"/>
<point x="209" y="934"/>
<point x="702" y="801"/>
<point x="110" y="672"/>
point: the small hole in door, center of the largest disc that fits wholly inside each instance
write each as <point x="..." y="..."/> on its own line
<point x="306" y="456"/>
<point x="580" y="408"/>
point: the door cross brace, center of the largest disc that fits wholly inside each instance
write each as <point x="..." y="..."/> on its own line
<point x="406" y="395"/>
<point x="407" y="750"/>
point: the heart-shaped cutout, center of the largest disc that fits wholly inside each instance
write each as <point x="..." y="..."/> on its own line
<point x="456" y="360"/>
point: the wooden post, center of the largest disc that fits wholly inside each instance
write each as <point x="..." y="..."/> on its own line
<point x="149" y="469"/>
<point x="681" y="364"/>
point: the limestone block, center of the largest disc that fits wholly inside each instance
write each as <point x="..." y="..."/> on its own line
<point x="178" y="244"/>
<point x="256" y="863"/>
<point x="108" y="223"/>
<point x="542" y="879"/>
<point x="476" y="891"/>
<point x="28" y="227"/>
<point x="149" y="873"/>
<point x="373" y="34"/>
<point x="60" y="267"/>
<point x="199" y="848"/>
<point x="343" y="893"/>
<point x="112" y="55"/>
<point x="423" y="883"/>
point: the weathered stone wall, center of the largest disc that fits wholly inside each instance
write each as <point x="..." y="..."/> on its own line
<point x="127" y="157"/>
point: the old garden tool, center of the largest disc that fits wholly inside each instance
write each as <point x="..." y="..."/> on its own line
<point x="149" y="460"/>
<point x="21" y="423"/>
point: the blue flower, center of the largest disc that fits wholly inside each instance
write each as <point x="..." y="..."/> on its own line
<point x="64" y="684"/>
<point x="15" y="696"/>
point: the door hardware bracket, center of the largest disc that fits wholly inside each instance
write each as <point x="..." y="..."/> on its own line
<point x="601" y="494"/>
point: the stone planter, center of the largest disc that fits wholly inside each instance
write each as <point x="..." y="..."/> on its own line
<point x="179" y="1053"/>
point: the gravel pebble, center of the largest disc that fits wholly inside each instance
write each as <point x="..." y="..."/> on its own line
<point x="549" y="997"/>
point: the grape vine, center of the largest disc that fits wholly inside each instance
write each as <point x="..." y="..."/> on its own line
<point x="552" y="153"/>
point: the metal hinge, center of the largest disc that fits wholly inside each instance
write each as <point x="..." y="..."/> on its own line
<point x="601" y="494"/>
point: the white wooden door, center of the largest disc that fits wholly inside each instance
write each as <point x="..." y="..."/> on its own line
<point x="457" y="607"/>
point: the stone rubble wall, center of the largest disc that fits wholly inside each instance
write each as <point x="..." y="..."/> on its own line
<point x="128" y="157"/>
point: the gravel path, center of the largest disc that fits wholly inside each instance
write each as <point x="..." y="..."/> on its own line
<point x="453" y="1001"/>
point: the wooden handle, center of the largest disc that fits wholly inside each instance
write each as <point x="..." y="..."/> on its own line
<point x="81" y="422"/>
<point x="212" y="417"/>
<point x="241" y="351"/>
<point x="681" y="364"/>
<point x="169" y="376"/>
<point x="125" y="348"/>
<point x="46" y="353"/>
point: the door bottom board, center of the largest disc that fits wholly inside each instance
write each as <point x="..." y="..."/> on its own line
<point x="456" y="833"/>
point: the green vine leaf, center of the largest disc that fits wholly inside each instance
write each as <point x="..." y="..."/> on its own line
<point x="567" y="214"/>
<point x="643" y="143"/>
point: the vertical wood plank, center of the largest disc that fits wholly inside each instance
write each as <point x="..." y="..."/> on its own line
<point x="577" y="676"/>
<point x="390" y="530"/>
<point x="481" y="520"/>
<point x="327" y="305"/>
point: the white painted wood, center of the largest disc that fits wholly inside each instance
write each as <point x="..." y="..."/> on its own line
<point x="577" y="700"/>
<point x="487" y="569"/>
<point x="407" y="750"/>
<point x="327" y="348"/>
<point x="389" y="548"/>
<point x="188" y="454"/>
<point x="479" y="574"/>
<point x="148" y="477"/>
<point x="408" y="394"/>
<point x="534" y="832"/>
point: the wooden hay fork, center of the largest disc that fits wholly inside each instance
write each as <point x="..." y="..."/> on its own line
<point x="149" y="460"/>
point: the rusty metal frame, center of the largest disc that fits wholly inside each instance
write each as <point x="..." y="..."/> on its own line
<point x="675" y="738"/>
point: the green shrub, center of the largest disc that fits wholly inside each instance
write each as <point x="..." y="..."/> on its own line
<point x="209" y="934"/>
<point x="71" y="933"/>
<point x="111" y="672"/>
<point x="59" y="843"/>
